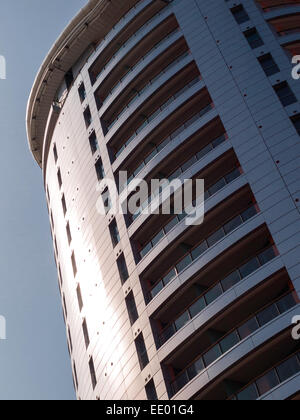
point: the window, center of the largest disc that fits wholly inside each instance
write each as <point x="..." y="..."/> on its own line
<point x="74" y="265"/>
<point x="93" y="142"/>
<point x="267" y="382"/>
<point x="296" y="121"/>
<point x="85" y="334"/>
<point x="75" y="376"/>
<point x="100" y="170"/>
<point x="268" y="65"/>
<point x="55" y="153"/>
<point x="82" y="92"/>
<point x="64" y="205"/>
<point x="114" y="233"/>
<point x="131" y="308"/>
<point x="285" y="94"/>
<point x="288" y="369"/>
<point x="240" y="14"/>
<point x="65" y="306"/>
<point x="123" y="271"/>
<point x="151" y="391"/>
<point x="142" y="351"/>
<point x="70" y="339"/>
<point x="93" y="373"/>
<point x="59" y="178"/>
<point x="106" y="200"/>
<point x="69" y="233"/>
<point x="253" y="38"/>
<point x="79" y="297"/>
<point x="87" y="117"/>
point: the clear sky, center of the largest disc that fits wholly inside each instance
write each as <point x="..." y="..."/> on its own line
<point x="34" y="362"/>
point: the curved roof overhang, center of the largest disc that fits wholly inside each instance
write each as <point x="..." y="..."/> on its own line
<point x="90" y="25"/>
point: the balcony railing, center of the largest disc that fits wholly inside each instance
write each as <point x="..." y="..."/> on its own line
<point x="145" y="88"/>
<point x="196" y="307"/>
<point x="157" y="149"/>
<point x="239" y="334"/>
<point x="132" y="69"/>
<point x="124" y="45"/>
<point x="156" y="113"/>
<point x="270" y="380"/>
<point x="186" y="261"/>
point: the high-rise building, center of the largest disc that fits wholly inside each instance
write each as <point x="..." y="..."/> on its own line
<point x="189" y="89"/>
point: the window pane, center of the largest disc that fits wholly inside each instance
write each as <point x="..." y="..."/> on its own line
<point x="215" y="237"/>
<point x="267" y="256"/>
<point x="232" y="176"/>
<point x="145" y="250"/>
<point x="180" y="322"/>
<point x="249" y="213"/>
<point x="212" y="355"/>
<point x="197" y="252"/>
<point x="219" y="141"/>
<point x="184" y="263"/>
<point x="157" y="289"/>
<point x="171" y="225"/>
<point x="228" y="342"/>
<point x="213" y="294"/>
<point x="249" y="268"/>
<point x="231" y="280"/>
<point x="249" y="394"/>
<point x="267" y="315"/>
<point x="288" y="369"/>
<point x="157" y="238"/>
<point x="248" y="328"/>
<point x="267" y="382"/>
<point x="287" y="303"/>
<point x="204" y="151"/>
<point x="195" y="369"/>
<point x="217" y="187"/>
<point x="197" y="307"/>
<point x="170" y="276"/>
<point x="233" y="224"/>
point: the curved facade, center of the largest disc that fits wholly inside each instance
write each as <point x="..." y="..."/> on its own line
<point x="155" y="309"/>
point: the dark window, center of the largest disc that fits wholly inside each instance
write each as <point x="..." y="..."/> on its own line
<point x="87" y="117"/>
<point x="296" y="121"/>
<point x="65" y="306"/>
<point x="106" y="200"/>
<point x="69" y="79"/>
<point x="114" y="233"/>
<point x="86" y="334"/>
<point x="70" y="339"/>
<point x="288" y="369"/>
<point x="123" y="271"/>
<point x="141" y="351"/>
<point x="64" y="204"/>
<point x="131" y="308"/>
<point x="100" y="170"/>
<point x="267" y="382"/>
<point x="69" y="233"/>
<point x="253" y="38"/>
<point x="93" y="142"/>
<point x="82" y="92"/>
<point x="55" y="153"/>
<point x="248" y="394"/>
<point x="268" y="64"/>
<point x="79" y="297"/>
<point x="151" y="391"/>
<point x="240" y="14"/>
<point x="93" y="373"/>
<point x="285" y="94"/>
<point x="74" y="265"/>
<point x="59" y="178"/>
<point x="75" y="376"/>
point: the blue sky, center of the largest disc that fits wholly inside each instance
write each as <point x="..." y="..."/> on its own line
<point x="34" y="362"/>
